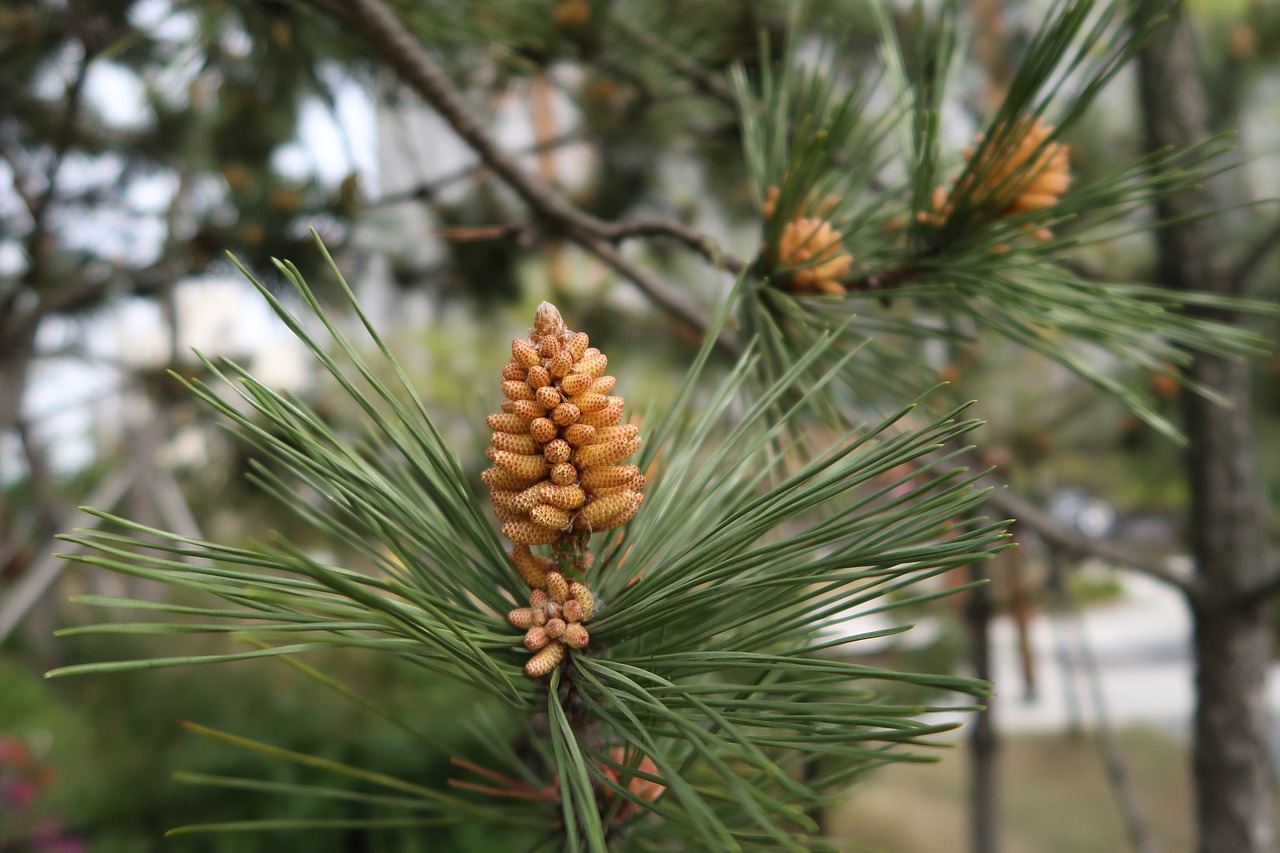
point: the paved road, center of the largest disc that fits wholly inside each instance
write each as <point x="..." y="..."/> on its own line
<point x="1142" y="646"/>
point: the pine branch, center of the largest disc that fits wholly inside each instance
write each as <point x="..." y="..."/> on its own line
<point x="397" y="46"/>
<point x="672" y="229"/>
<point x="656" y="290"/>
<point x="1026" y="514"/>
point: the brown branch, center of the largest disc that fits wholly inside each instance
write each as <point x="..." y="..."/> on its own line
<point x="398" y="47"/>
<point x="1112" y="755"/>
<point x="885" y="279"/>
<point x="1005" y="501"/>
<point x="681" y="233"/>
<point x="475" y="233"/>
<point x="63" y="137"/>
<point x="669" y="300"/>
<point x="1065" y="539"/>
<point x="28" y="200"/>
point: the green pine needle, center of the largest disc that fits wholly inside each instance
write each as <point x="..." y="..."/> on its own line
<point x="711" y="652"/>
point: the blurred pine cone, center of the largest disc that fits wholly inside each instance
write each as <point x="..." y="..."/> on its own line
<point x="1020" y="171"/>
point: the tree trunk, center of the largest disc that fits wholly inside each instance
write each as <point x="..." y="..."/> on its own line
<point x="984" y="818"/>
<point x="1227" y="523"/>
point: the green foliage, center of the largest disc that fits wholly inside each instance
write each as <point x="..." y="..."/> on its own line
<point x="923" y="274"/>
<point x="112" y="762"/>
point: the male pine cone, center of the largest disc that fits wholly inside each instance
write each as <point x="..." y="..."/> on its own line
<point x="1020" y="172"/>
<point x="557" y="443"/>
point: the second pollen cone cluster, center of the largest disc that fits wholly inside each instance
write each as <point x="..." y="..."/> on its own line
<point x="557" y="608"/>
<point x="813" y="249"/>
<point x="557" y="442"/>
<point x="1021" y="171"/>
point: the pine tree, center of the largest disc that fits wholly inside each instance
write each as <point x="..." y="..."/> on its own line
<point x="656" y="631"/>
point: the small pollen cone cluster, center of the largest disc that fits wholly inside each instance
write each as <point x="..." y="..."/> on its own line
<point x="557" y="608"/>
<point x="557" y="450"/>
<point x="1023" y="172"/>
<point x="813" y="248"/>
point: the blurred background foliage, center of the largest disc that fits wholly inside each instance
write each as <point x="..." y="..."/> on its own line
<point x="140" y="139"/>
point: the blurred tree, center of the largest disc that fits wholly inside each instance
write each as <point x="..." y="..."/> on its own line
<point x="1236" y="566"/>
<point x="138" y="142"/>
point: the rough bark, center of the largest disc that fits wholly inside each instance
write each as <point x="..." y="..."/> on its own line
<point x="1233" y="642"/>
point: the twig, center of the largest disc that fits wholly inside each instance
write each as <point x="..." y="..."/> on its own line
<point x="62" y="139"/>
<point x="398" y="47"/>
<point x="39" y="479"/>
<point x="470" y="234"/>
<point x="28" y="200"/>
<point x="1010" y="503"/>
<point x="671" y="302"/>
<point x="678" y="231"/>
<point x="1007" y="502"/>
<point x="984" y="742"/>
<point x="884" y="279"/>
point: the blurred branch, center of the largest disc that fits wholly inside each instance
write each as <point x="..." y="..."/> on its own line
<point x="79" y="294"/>
<point x="1238" y="276"/>
<point x="681" y="233"/>
<point x="711" y="84"/>
<point x="656" y="290"/>
<point x="1113" y="759"/>
<point x="1066" y="540"/>
<point x="39" y="479"/>
<point x="399" y="49"/>
<point x="1005" y="501"/>
<point x="15" y="174"/>
<point x="475" y="233"/>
